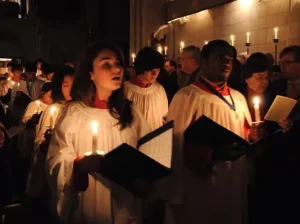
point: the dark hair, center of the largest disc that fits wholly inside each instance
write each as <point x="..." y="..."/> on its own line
<point x="254" y="64"/>
<point x="10" y="64"/>
<point x="30" y="67"/>
<point x="84" y="90"/>
<point x="46" y="87"/>
<point x="47" y="68"/>
<point x="215" y="45"/>
<point x="172" y="63"/>
<point x="295" y="49"/>
<point x="195" y="52"/>
<point x="16" y="67"/>
<point x="148" y="59"/>
<point x="57" y="81"/>
<point x="39" y="60"/>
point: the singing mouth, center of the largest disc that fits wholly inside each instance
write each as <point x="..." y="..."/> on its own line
<point x="117" y="78"/>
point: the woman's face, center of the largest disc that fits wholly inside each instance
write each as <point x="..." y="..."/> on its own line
<point x="47" y="98"/>
<point x="107" y="73"/>
<point x="258" y="82"/>
<point x="150" y="76"/>
<point x="67" y="86"/>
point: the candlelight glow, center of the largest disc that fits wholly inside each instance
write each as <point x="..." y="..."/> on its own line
<point x="205" y="42"/>
<point x="159" y="49"/>
<point x="256" y="101"/>
<point x="18" y="84"/>
<point x="276" y="32"/>
<point x="232" y="38"/>
<point x="99" y="152"/>
<point x="248" y="37"/>
<point x="38" y="103"/>
<point x="53" y="109"/>
<point x="94" y="126"/>
<point x="13" y="83"/>
<point x="133" y="55"/>
<point x="182" y="44"/>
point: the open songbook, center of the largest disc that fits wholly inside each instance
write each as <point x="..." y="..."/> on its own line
<point x="138" y="168"/>
<point x="207" y="132"/>
<point x="283" y="107"/>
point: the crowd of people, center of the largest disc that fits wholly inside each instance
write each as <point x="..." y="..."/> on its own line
<point x="45" y="133"/>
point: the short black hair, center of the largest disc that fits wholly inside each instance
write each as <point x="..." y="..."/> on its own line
<point x="46" y="87"/>
<point x="172" y="63"/>
<point x="254" y="64"/>
<point x="47" y="68"/>
<point x="148" y="59"/>
<point x="292" y="49"/>
<point x="214" y="45"/>
<point x="30" y="67"/>
<point x="195" y="52"/>
<point x="16" y="67"/>
<point x="259" y="56"/>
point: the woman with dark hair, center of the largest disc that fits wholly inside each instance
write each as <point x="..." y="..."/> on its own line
<point x="97" y="97"/>
<point x="144" y="90"/>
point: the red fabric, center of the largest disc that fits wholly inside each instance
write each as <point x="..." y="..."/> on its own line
<point x="224" y="91"/>
<point x="246" y="129"/>
<point x="80" y="177"/>
<point x="135" y="80"/>
<point x="100" y="104"/>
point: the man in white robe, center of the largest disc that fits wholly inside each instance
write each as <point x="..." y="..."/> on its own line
<point x="207" y="189"/>
<point x="143" y="90"/>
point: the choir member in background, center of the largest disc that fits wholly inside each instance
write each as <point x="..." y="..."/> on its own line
<point x="37" y="190"/>
<point x="210" y="187"/>
<point x="47" y="73"/>
<point x="38" y="63"/>
<point x="190" y="65"/>
<point x="97" y="95"/>
<point x="35" y="108"/>
<point x="143" y="89"/>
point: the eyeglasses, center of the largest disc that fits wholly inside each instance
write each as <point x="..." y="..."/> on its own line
<point x="287" y="63"/>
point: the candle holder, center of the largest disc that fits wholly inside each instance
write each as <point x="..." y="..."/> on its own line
<point x="275" y="40"/>
<point x="248" y="48"/>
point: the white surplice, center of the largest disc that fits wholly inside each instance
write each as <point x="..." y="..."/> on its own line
<point x="221" y="198"/>
<point x="151" y="101"/>
<point x="36" y="177"/>
<point x="72" y="137"/>
<point x="32" y="109"/>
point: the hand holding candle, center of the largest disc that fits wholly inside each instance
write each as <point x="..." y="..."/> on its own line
<point x="256" y="109"/>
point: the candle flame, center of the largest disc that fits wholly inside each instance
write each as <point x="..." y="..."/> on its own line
<point x="18" y="84"/>
<point x="133" y="55"/>
<point x="205" y="42"/>
<point x="159" y="49"/>
<point x="99" y="152"/>
<point x="13" y="83"/>
<point x="94" y="126"/>
<point x="53" y="109"/>
<point x="182" y="44"/>
<point x="256" y="101"/>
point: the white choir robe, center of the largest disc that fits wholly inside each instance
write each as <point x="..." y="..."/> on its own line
<point x="221" y="198"/>
<point x="36" y="177"/>
<point x="103" y="202"/>
<point x="32" y="109"/>
<point x="151" y="101"/>
<point x="32" y="89"/>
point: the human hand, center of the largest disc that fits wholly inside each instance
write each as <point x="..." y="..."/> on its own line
<point x="257" y="131"/>
<point x="285" y="124"/>
<point x="90" y="163"/>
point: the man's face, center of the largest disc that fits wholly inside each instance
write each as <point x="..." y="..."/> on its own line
<point x="168" y="67"/>
<point x="218" y="66"/>
<point x="290" y="67"/>
<point x="186" y="62"/>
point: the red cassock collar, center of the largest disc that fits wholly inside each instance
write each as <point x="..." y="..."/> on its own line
<point x="224" y="91"/>
<point x="136" y="81"/>
<point x="100" y="104"/>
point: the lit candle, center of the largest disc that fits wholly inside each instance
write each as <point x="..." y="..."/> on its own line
<point x="133" y="57"/>
<point x="52" y="111"/>
<point x="38" y="103"/>
<point x="181" y="46"/>
<point x="13" y="83"/>
<point x="18" y="84"/>
<point x="159" y="49"/>
<point x="95" y="127"/>
<point x="232" y="38"/>
<point x="276" y="32"/>
<point x="248" y="38"/>
<point x="166" y="50"/>
<point x="256" y="109"/>
<point x="205" y="42"/>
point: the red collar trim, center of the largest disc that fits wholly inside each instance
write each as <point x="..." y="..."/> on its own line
<point x="223" y="92"/>
<point x="100" y="104"/>
<point x="135" y="80"/>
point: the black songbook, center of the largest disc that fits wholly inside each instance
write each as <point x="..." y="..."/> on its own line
<point x="207" y="132"/>
<point x="137" y="169"/>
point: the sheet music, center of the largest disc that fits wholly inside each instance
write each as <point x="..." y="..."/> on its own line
<point x="160" y="148"/>
<point x="280" y="108"/>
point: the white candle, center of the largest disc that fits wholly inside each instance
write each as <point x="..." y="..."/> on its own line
<point x="248" y="38"/>
<point x="38" y="103"/>
<point x="133" y="57"/>
<point x="95" y="130"/>
<point x="52" y="111"/>
<point x="232" y="38"/>
<point x="276" y="33"/>
<point x="256" y="109"/>
<point x="166" y="49"/>
<point x="13" y="83"/>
